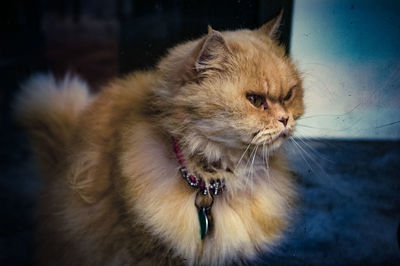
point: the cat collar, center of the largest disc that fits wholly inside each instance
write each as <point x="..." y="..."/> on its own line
<point x="205" y="194"/>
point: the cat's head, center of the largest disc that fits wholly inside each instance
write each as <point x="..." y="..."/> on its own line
<point x="232" y="88"/>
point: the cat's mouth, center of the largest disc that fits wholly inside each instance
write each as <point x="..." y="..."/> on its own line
<point x="270" y="136"/>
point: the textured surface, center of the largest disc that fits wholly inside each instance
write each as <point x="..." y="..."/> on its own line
<point x="348" y="214"/>
<point x="350" y="208"/>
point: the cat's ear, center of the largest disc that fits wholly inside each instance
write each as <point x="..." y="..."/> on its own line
<point x="212" y="53"/>
<point x="271" y="28"/>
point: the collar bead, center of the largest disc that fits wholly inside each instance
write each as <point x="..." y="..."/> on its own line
<point x="215" y="187"/>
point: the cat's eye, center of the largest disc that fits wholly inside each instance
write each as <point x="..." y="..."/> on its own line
<point x="289" y="95"/>
<point x="257" y="100"/>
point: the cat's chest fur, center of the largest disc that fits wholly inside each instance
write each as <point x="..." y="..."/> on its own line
<point x="245" y="221"/>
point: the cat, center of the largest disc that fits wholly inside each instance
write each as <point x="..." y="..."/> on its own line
<point x="179" y="165"/>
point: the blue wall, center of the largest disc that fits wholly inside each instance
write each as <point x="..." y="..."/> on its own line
<point x="349" y="52"/>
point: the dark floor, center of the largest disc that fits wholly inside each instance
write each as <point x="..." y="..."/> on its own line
<point x="349" y="211"/>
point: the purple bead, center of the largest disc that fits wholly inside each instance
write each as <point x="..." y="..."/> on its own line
<point x="192" y="179"/>
<point x="202" y="185"/>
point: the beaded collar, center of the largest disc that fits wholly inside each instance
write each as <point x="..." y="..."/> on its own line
<point x="205" y="194"/>
<point x="215" y="186"/>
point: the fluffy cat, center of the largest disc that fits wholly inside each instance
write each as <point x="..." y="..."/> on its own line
<point x="218" y="107"/>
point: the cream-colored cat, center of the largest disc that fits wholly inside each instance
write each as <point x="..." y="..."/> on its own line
<point x="177" y="165"/>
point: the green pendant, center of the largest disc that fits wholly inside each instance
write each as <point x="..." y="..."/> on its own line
<point x="203" y="220"/>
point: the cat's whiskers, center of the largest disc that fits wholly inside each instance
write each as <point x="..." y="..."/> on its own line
<point x="244" y="153"/>
<point x="331" y="115"/>
<point x="248" y="165"/>
<point x="263" y="152"/>
<point x="252" y="169"/>
<point x="313" y="151"/>
<point x="267" y="163"/>
<point x="310" y="157"/>
<point x="300" y="152"/>
<point x="316" y="157"/>
<point x="266" y="158"/>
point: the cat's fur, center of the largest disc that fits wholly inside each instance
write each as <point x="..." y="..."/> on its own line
<point x="113" y="194"/>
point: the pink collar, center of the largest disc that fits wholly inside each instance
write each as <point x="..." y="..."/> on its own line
<point x="215" y="187"/>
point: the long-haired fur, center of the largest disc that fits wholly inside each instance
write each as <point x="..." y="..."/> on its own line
<point x="113" y="193"/>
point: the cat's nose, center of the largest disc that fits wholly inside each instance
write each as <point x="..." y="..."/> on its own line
<point x="283" y="120"/>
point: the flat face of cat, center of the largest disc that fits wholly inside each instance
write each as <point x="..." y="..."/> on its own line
<point x="238" y="88"/>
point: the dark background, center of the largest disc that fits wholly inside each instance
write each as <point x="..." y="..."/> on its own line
<point x="101" y="39"/>
<point x="350" y="207"/>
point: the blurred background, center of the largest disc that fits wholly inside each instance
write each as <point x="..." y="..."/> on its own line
<point x="349" y="53"/>
<point x="345" y="156"/>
